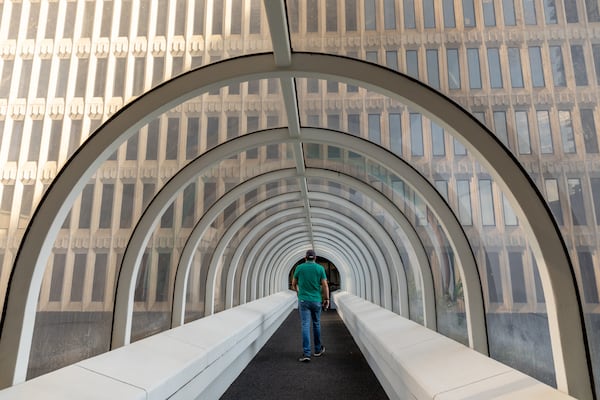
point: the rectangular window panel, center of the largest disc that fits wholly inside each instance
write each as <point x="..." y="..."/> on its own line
<point x="537" y="70"/>
<point x="517" y="277"/>
<point x="463" y="192"/>
<point x="494" y="68"/>
<point x="162" y="277"/>
<point x="593" y="11"/>
<point x="449" y="16"/>
<point x="99" y="284"/>
<point x="494" y="277"/>
<point x="516" y="70"/>
<point x="127" y="199"/>
<point x="576" y="200"/>
<point x="120" y="74"/>
<point x="75" y="135"/>
<point x="144" y="18"/>
<point x="312" y="85"/>
<point x="523" y="138"/>
<point x="550" y="12"/>
<point x="529" y="12"/>
<point x="332" y="86"/>
<point x="566" y="132"/>
<point x="474" y="68"/>
<point x="125" y="19"/>
<point x="558" y="67"/>
<point x="459" y="149"/>
<point x="99" y="84"/>
<point x="8" y="192"/>
<point x="486" y="203"/>
<point x="52" y="18"/>
<point x="25" y="78"/>
<point x="596" y="54"/>
<point x="188" y="209"/>
<point x="141" y="285"/>
<point x="58" y="277"/>
<point x="442" y="187"/>
<point x="69" y="24"/>
<point x="571" y="11"/>
<point x="354" y="124"/>
<point x="255" y="16"/>
<point x="545" y="132"/>
<point x="55" y="137"/>
<point x="27" y="200"/>
<point x="15" y="141"/>
<point x="579" y="67"/>
<point x="312" y="16"/>
<point x="34" y="143"/>
<point x="510" y="218"/>
<point x="131" y="151"/>
<point x="236" y="17"/>
<point x="433" y="68"/>
<point x="489" y="13"/>
<point x="148" y="193"/>
<point x="375" y="128"/>
<point x="351" y="24"/>
<point x="595" y="184"/>
<point x="416" y="135"/>
<point x="389" y="14"/>
<point x="588" y="276"/>
<point x="106" y="208"/>
<point x="152" y="140"/>
<point x="539" y="290"/>
<point x="553" y="199"/>
<point x="453" y="68"/>
<point x="395" y="125"/>
<point x="370" y="15"/>
<point x="192" y="137"/>
<point x="86" y="207"/>
<point x="166" y="221"/>
<point x="78" y="280"/>
<point x="138" y="75"/>
<point x="212" y="132"/>
<point x="508" y="7"/>
<point x="412" y="63"/>
<point x="331" y="14"/>
<point x="409" y="14"/>
<point x="468" y="13"/>
<point x="391" y="59"/>
<point x="500" y="128"/>
<point x="63" y="77"/>
<point x="172" y="150"/>
<point x="438" y="147"/>
<point x="273" y="152"/>
<point x="588" y="126"/>
<point x="428" y="14"/>
<point x="217" y="20"/>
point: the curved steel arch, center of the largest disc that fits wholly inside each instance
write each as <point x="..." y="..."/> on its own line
<point x="563" y="305"/>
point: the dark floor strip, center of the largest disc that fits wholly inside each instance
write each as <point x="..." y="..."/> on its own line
<point x="275" y="373"/>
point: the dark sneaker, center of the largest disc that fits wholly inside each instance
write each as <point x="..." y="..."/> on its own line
<point x="320" y="353"/>
<point x="304" y="359"/>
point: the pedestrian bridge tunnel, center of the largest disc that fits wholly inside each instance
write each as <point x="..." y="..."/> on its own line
<point x="220" y="218"/>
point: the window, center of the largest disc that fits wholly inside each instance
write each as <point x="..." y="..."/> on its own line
<point x="494" y="277"/>
<point x="500" y="128"/>
<point x="468" y="13"/>
<point x="459" y="149"/>
<point x="15" y="141"/>
<point x="141" y="283"/>
<point x="106" y="206"/>
<point x="409" y="14"/>
<point x="53" y="16"/>
<point x="550" y="12"/>
<point x="537" y="71"/>
<point x="517" y="277"/>
<point x="433" y="70"/>
<point x="191" y="142"/>
<point x="442" y="187"/>
<point x="127" y="199"/>
<point x="166" y="220"/>
<point x="576" y="199"/>
<point x="593" y="13"/>
<point x="553" y="199"/>
<point x="395" y="127"/>
<point x="120" y="74"/>
<point x="236" y="17"/>
<point x="412" y="63"/>
<point x="508" y="6"/>
<point x="370" y="15"/>
<point x="416" y="135"/>
<point x="588" y="276"/>
<point x="25" y="78"/>
<point x="172" y="150"/>
<point x="125" y="20"/>
<point x="529" y="12"/>
<point x="188" y="212"/>
<point x="99" y="283"/>
<point x="453" y="68"/>
<point x="162" y="276"/>
<point x="428" y="13"/>
<point x="63" y="77"/>
<point x="516" y="72"/>
<point x="371" y="56"/>
<point x="86" y="206"/>
<point x="588" y="126"/>
<point x="333" y="121"/>
<point x="566" y="132"/>
<point x="354" y="124"/>
<point x="148" y="194"/>
<point x="217" y="17"/>
<point x="331" y="14"/>
<point x="522" y="125"/>
<point x="489" y="13"/>
<point x="35" y="141"/>
<point x="571" y="11"/>
<point x="332" y="86"/>
<point x="486" y="203"/>
<point x="558" y="67"/>
<point x="8" y="192"/>
<point x="389" y="14"/>
<point x="595" y="184"/>
<point x="212" y="132"/>
<point x="474" y="71"/>
<point x="375" y="128"/>
<point x="494" y="68"/>
<point x="27" y="200"/>
<point x="545" y="132"/>
<point x="144" y="17"/>
<point x="463" y="192"/>
<point x="449" y="16"/>
<point x="255" y="17"/>
<point x="312" y="16"/>
<point x="510" y="219"/>
<point x="391" y="59"/>
<point x="438" y="147"/>
<point x="579" y="68"/>
<point x="58" y="277"/>
<point x="351" y="24"/>
<point x="152" y="140"/>
<point x="312" y="85"/>
<point x="69" y="24"/>
<point x="55" y="136"/>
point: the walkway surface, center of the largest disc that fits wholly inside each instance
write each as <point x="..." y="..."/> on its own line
<point x="275" y="373"/>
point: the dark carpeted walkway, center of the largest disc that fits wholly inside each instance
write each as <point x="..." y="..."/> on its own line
<point x="275" y="373"/>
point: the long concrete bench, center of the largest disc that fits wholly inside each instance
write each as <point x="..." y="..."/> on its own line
<point x="413" y="362"/>
<point x="196" y="360"/>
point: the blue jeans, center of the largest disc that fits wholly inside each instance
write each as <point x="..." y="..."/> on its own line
<point x="310" y="311"/>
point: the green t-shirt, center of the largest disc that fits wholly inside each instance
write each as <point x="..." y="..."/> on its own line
<point x="309" y="276"/>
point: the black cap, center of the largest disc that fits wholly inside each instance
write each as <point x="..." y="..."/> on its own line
<point x="310" y="254"/>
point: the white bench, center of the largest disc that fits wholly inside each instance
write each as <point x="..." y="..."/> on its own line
<point x="413" y="362"/>
<point x="197" y="360"/>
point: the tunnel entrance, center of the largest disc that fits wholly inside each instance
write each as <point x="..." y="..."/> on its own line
<point x="333" y="275"/>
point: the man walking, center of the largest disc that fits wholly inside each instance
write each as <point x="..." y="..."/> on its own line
<point x="310" y="282"/>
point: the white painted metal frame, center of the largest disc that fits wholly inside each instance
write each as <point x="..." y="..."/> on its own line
<point x="556" y="272"/>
